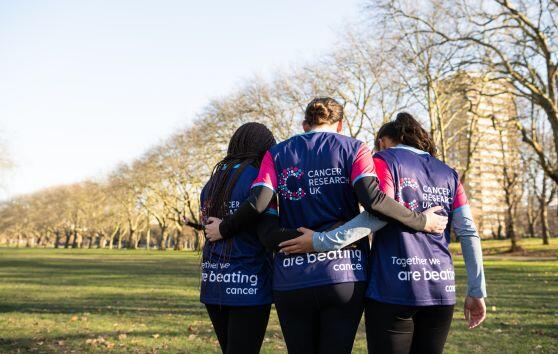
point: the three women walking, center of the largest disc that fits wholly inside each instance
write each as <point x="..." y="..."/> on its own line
<point x="321" y="281"/>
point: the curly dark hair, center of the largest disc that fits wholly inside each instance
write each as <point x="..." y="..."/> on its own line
<point x="405" y="129"/>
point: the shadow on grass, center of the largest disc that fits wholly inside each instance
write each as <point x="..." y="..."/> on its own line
<point x="191" y="308"/>
<point x="46" y="344"/>
<point x="114" y="284"/>
<point x="124" y="271"/>
<point x="161" y="290"/>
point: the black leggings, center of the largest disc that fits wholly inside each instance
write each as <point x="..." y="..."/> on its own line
<point x="321" y="319"/>
<point x="401" y="329"/>
<point x="239" y="329"/>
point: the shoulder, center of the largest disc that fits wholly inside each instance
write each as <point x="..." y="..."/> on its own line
<point x="386" y="154"/>
<point x="443" y="165"/>
<point x="205" y="188"/>
<point x="284" y="144"/>
<point x="347" y="140"/>
<point x="380" y="154"/>
<point x="347" y="146"/>
<point x="250" y="172"/>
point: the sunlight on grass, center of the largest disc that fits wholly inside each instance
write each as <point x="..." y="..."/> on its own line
<point x="138" y="301"/>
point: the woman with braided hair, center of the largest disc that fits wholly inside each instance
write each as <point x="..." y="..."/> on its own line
<point x="236" y="272"/>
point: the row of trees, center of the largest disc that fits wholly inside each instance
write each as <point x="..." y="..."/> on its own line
<point x="406" y="56"/>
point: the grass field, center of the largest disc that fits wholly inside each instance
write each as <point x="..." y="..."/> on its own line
<point x="531" y="247"/>
<point x="138" y="301"/>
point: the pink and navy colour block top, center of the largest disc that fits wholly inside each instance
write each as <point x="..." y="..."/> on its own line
<point x="236" y="271"/>
<point x="313" y="175"/>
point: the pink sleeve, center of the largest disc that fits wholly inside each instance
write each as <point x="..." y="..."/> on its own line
<point x="460" y="198"/>
<point x="384" y="176"/>
<point x="267" y="176"/>
<point x="363" y="165"/>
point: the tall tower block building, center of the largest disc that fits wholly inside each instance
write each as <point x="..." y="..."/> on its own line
<point x="481" y="140"/>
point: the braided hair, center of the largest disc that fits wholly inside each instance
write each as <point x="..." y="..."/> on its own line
<point x="247" y="146"/>
<point x="405" y="129"/>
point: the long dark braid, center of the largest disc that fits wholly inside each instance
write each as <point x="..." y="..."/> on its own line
<point x="246" y="147"/>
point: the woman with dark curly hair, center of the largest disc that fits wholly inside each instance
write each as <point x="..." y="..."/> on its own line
<point x="411" y="293"/>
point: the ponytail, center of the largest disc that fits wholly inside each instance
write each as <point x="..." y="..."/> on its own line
<point x="410" y="132"/>
<point x="406" y="130"/>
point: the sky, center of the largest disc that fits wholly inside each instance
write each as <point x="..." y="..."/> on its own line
<point x="86" y="85"/>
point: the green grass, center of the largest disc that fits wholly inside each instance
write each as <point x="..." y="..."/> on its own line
<point x="138" y="301"/>
<point x="532" y="247"/>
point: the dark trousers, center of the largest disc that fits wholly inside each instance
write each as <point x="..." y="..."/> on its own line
<point x="400" y="329"/>
<point x="321" y="319"/>
<point x="239" y="329"/>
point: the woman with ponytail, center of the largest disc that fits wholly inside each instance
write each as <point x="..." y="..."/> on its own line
<point x="236" y="271"/>
<point x="411" y="292"/>
<point x="319" y="178"/>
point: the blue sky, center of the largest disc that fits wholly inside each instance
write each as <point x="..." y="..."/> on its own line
<point x="87" y="84"/>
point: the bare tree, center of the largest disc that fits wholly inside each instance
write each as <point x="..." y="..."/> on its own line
<point x="515" y="41"/>
<point x="362" y="73"/>
<point x="510" y="180"/>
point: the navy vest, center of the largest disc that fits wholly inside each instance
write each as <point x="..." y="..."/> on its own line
<point x="236" y="272"/>
<point x="314" y="190"/>
<point x="409" y="267"/>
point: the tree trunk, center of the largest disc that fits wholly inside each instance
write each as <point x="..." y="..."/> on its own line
<point x="170" y="241"/>
<point x="148" y="238"/>
<point x="112" y="236"/>
<point x="56" y="239"/>
<point x="163" y="240"/>
<point x="102" y="240"/>
<point x="544" y="223"/>
<point x="499" y="234"/>
<point x="179" y="244"/>
<point x="75" y="241"/>
<point x="137" y="241"/>
<point x="30" y="241"/>
<point x="68" y="238"/>
<point x="531" y="228"/>
<point x="513" y="237"/>
<point x="92" y="241"/>
<point x="510" y="230"/>
<point x="132" y="244"/>
<point x="119" y="239"/>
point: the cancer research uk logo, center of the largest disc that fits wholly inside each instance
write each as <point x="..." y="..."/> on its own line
<point x="283" y="187"/>
<point x="409" y="183"/>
